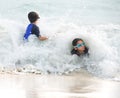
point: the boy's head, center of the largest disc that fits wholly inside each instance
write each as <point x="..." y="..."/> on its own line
<point x="33" y="16"/>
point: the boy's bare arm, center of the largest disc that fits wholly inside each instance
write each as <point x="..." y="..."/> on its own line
<point x="42" y="38"/>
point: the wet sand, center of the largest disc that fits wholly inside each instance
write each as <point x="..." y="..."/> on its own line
<point x="80" y="85"/>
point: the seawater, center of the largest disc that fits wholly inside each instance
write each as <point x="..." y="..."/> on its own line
<point x="96" y="22"/>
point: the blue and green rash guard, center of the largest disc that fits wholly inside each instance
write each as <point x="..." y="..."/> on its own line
<point x="31" y="29"/>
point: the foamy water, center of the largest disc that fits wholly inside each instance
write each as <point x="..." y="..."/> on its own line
<point x="96" y="22"/>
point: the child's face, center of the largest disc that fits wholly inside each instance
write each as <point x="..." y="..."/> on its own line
<point x="37" y="21"/>
<point x="81" y="46"/>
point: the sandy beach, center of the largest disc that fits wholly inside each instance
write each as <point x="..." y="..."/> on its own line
<point x="80" y="85"/>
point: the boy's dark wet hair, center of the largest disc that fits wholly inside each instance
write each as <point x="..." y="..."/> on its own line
<point x="33" y="16"/>
<point x="74" y="42"/>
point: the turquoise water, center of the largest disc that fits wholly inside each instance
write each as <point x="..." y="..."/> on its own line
<point x="78" y="11"/>
<point x="96" y="21"/>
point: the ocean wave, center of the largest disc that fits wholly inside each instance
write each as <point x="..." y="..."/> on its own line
<point x="53" y="56"/>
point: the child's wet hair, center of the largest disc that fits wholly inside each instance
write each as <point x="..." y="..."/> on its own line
<point x="33" y="16"/>
<point x="74" y="42"/>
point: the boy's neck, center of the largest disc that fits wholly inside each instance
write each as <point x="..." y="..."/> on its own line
<point x="34" y="23"/>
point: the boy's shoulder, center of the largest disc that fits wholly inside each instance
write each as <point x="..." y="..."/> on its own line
<point x="34" y="26"/>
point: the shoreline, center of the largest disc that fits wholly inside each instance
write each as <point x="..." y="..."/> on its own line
<point x="80" y="85"/>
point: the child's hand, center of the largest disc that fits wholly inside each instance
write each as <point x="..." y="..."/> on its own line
<point x="42" y="38"/>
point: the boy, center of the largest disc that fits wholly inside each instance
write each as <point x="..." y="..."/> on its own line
<point x="79" y="47"/>
<point x="32" y="27"/>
